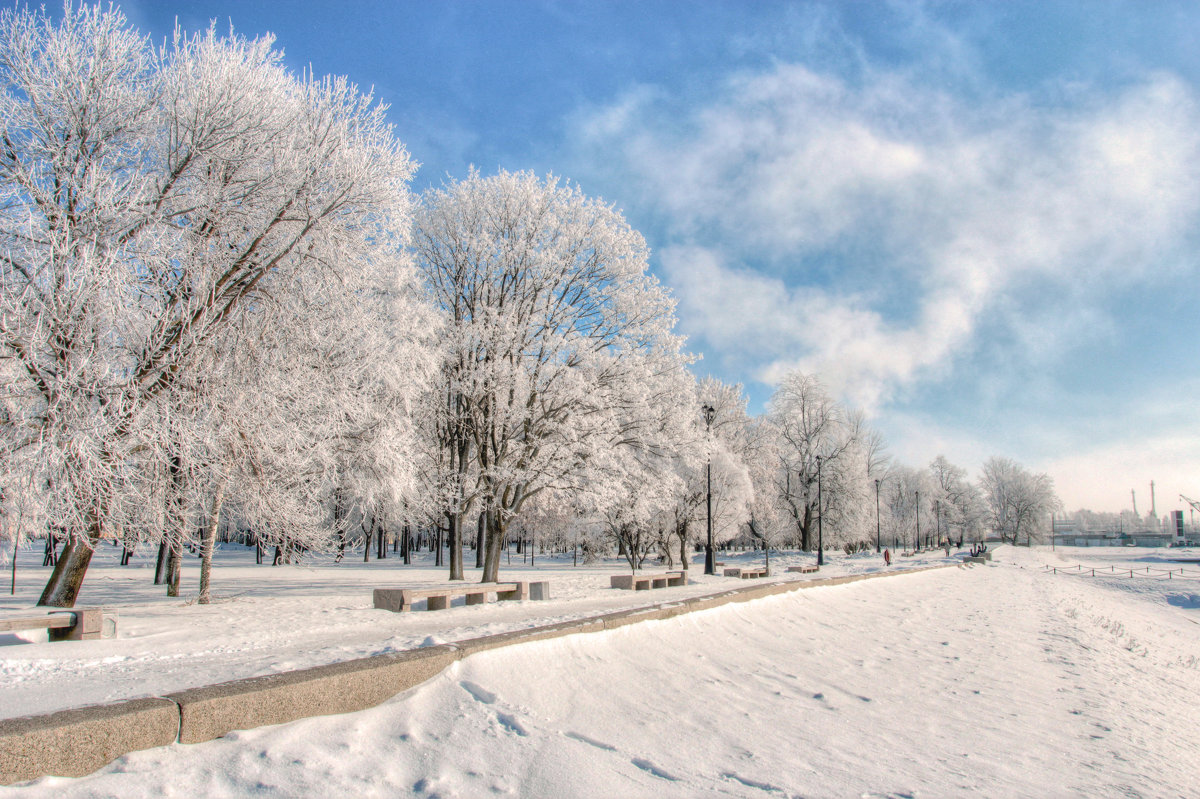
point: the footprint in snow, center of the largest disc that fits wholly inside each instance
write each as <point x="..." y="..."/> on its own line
<point x="590" y="741"/>
<point x="511" y="724"/>
<point x="749" y="783"/>
<point x="647" y="766"/>
<point x="480" y="693"/>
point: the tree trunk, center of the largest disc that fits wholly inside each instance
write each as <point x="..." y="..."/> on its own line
<point x="683" y="553"/>
<point x="160" y="566"/>
<point x="456" y="550"/>
<point x="479" y="540"/>
<point x="368" y="532"/>
<point x="492" y="544"/>
<point x="62" y="589"/>
<point x="174" y="563"/>
<point x="51" y="556"/>
<point x="206" y="545"/>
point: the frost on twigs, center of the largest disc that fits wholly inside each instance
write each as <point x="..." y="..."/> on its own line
<point x="192" y="238"/>
<point x="561" y="372"/>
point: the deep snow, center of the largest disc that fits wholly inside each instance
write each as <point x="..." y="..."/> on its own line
<point x="999" y="680"/>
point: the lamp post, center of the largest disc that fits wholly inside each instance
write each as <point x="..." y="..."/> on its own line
<point x="877" y="546"/>
<point x="917" y="537"/>
<point x="710" y="561"/>
<point x="937" y="512"/>
<point x="820" y="519"/>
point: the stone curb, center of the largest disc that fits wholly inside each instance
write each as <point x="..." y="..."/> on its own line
<point x="214" y="710"/>
<point x="74" y="743"/>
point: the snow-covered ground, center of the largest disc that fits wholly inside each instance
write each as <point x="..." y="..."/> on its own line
<point x="1000" y="680"/>
<point x="270" y="619"/>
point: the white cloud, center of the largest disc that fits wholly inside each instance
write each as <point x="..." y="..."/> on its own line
<point x="967" y="210"/>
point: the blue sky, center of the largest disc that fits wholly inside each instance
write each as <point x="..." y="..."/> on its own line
<point x="978" y="221"/>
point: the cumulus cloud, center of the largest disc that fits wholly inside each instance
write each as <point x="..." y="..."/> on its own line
<point x="865" y="229"/>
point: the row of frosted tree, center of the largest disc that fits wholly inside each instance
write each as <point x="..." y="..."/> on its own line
<point x="224" y="308"/>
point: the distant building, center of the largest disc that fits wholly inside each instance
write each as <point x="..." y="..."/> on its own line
<point x="1081" y="538"/>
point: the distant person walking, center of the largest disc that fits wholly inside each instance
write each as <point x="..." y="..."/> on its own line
<point x="887" y="557"/>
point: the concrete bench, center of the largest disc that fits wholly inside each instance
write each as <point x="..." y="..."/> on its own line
<point x="401" y="600"/>
<point x="73" y="624"/>
<point x="975" y="559"/>
<point x="746" y="572"/>
<point x="804" y="569"/>
<point x="644" y="582"/>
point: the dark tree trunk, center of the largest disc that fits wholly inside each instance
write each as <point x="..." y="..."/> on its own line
<point x="160" y="566"/>
<point x="62" y="589"/>
<point x="454" y="522"/>
<point x="51" y="556"/>
<point x="493" y="542"/>
<point x="479" y="541"/>
<point x="174" y="562"/>
<point x="367" y="532"/>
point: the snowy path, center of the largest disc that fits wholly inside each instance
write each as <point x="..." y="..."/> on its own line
<point x="996" y="681"/>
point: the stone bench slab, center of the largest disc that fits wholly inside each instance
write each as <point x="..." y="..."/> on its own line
<point x="645" y="582"/>
<point x="72" y="624"/>
<point x="401" y="600"/>
<point x="745" y="572"/>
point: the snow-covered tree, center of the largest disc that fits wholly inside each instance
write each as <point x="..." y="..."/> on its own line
<point x="906" y="496"/>
<point x="1019" y="501"/>
<point x="153" y="200"/>
<point x="813" y="429"/>
<point x="958" y="503"/>
<point x="555" y="332"/>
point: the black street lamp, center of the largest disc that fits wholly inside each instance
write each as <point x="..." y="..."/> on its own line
<point x="820" y="519"/>
<point x="877" y="546"/>
<point x="917" y="537"/>
<point x="710" y="561"/>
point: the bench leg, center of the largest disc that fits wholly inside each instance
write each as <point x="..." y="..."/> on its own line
<point x="89" y="626"/>
<point x="438" y="602"/>
<point x="521" y="593"/>
<point x="476" y="599"/>
<point x="390" y="599"/>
